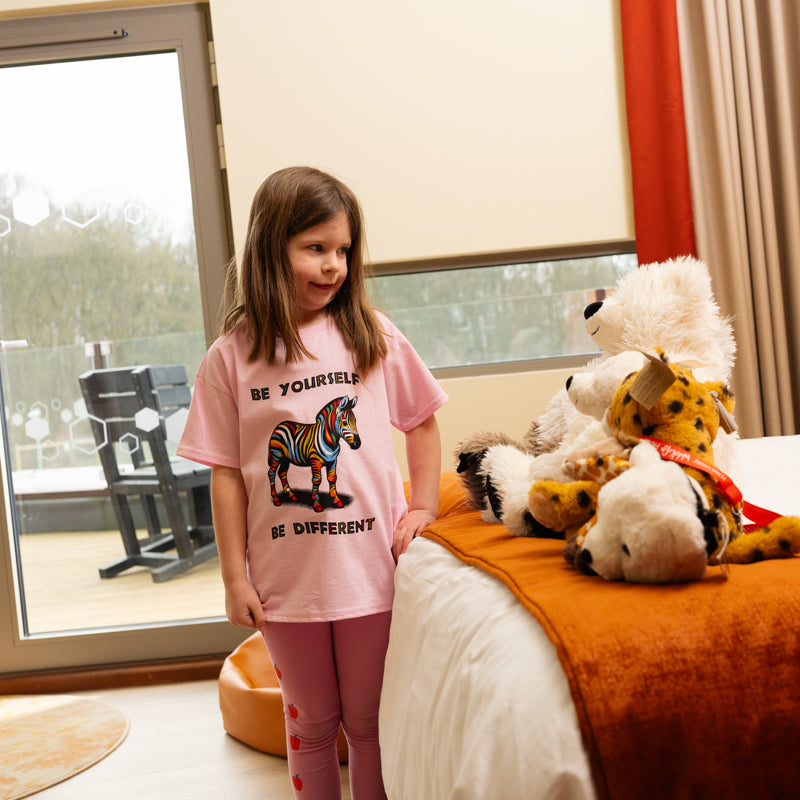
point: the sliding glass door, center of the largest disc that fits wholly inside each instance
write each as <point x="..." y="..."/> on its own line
<point x="108" y="173"/>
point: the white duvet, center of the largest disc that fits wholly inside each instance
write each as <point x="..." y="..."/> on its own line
<point x="475" y="703"/>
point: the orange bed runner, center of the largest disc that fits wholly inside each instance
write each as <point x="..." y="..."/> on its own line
<point x="681" y="691"/>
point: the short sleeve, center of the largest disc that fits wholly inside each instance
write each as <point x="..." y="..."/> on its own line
<point x="211" y="434"/>
<point x="412" y="391"/>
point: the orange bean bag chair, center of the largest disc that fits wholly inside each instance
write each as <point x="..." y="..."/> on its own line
<point x="251" y="702"/>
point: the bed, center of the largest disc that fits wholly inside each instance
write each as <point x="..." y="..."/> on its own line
<point x="510" y="675"/>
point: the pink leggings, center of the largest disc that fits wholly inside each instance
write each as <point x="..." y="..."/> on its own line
<point x="331" y="672"/>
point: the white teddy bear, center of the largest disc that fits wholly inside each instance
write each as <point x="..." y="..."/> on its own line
<point x="669" y="305"/>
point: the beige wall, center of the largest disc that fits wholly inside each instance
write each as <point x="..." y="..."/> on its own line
<point x="502" y="403"/>
<point x="463" y="126"/>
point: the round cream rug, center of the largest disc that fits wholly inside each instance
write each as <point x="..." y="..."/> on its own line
<point x="48" y="738"/>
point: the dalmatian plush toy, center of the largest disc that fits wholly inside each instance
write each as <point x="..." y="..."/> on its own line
<point x="653" y="525"/>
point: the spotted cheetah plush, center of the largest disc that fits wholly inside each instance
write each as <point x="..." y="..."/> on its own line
<point x="654" y="523"/>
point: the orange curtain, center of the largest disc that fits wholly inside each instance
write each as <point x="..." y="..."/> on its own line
<point x="662" y="200"/>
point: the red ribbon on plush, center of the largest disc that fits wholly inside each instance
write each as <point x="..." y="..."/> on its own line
<point x="759" y="516"/>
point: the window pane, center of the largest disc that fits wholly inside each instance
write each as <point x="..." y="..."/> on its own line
<point x="99" y="269"/>
<point x="489" y="315"/>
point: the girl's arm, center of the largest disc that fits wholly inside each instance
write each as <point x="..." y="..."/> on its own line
<point x="424" y="454"/>
<point x="229" y="508"/>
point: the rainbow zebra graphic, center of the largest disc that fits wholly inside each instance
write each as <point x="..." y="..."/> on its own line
<point x="314" y="445"/>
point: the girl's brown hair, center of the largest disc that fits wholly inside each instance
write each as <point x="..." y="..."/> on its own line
<point x="288" y="202"/>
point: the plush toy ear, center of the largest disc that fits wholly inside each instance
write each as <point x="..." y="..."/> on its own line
<point x="494" y="498"/>
<point x="708" y="518"/>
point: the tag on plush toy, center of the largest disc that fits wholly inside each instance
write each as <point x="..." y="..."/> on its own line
<point x="726" y="420"/>
<point x="652" y="381"/>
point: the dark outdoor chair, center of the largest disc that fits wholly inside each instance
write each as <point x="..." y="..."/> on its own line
<point x="128" y="409"/>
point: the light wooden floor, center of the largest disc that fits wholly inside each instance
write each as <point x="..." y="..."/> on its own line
<point x="177" y="749"/>
<point x="64" y="591"/>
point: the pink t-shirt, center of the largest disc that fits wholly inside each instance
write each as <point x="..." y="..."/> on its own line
<point x="311" y="565"/>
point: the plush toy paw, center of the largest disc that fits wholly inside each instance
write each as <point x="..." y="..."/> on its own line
<point x="563" y="507"/>
<point x="779" y="539"/>
<point x="571" y="552"/>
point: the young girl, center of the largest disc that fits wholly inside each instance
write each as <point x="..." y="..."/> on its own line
<point x="304" y="385"/>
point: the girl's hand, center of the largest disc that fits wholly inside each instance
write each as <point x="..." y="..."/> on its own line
<point x="409" y="527"/>
<point x="423" y="450"/>
<point x="243" y="607"/>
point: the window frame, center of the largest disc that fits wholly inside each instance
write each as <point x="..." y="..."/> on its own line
<point x="502" y="258"/>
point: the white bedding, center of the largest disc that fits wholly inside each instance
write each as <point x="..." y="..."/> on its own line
<point x="475" y="703"/>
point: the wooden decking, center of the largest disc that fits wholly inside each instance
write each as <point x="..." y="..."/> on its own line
<point x="63" y="590"/>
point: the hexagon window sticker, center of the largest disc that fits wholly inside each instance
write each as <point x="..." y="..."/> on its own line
<point x="133" y="213"/>
<point x="84" y="422"/>
<point x="37" y="428"/>
<point x="72" y="219"/>
<point x="39" y="409"/>
<point x="147" y="419"/>
<point x="5" y="225"/>
<point x="129" y="443"/>
<point x="31" y="208"/>
<point x="50" y="450"/>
